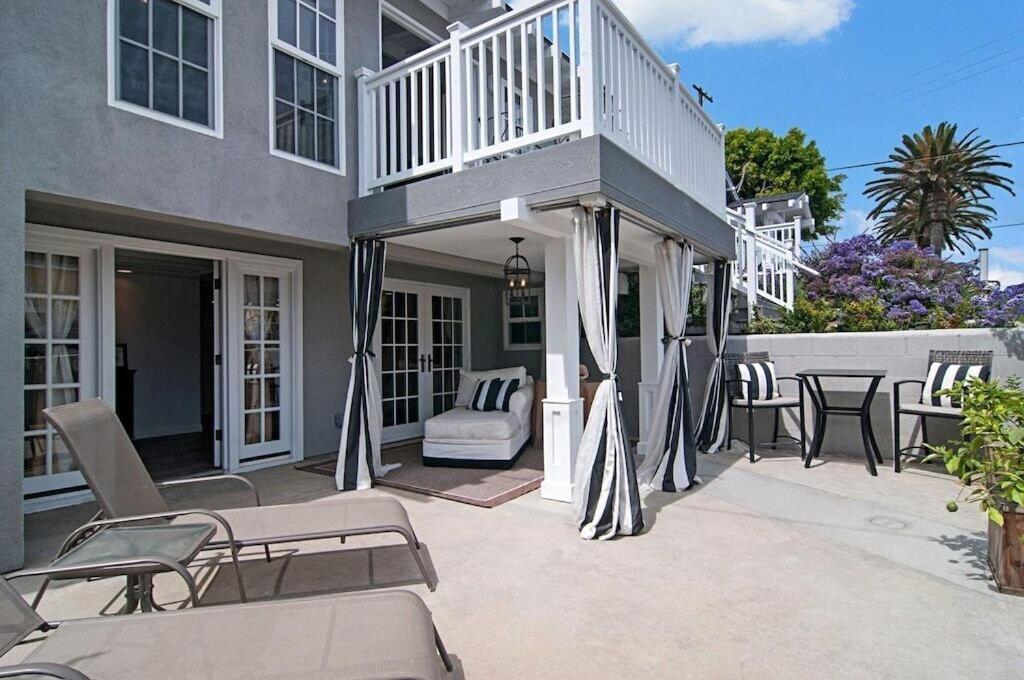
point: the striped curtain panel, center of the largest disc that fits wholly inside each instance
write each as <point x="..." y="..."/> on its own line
<point x="359" y="451"/>
<point x="671" y="460"/>
<point x="711" y="424"/>
<point x="607" y="497"/>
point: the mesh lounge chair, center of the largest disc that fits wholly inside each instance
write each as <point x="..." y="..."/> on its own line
<point x="749" y="404"/>
<point x="126" y="493"/>
<point x="387" y="634"/>
<point x="924" y="411"/>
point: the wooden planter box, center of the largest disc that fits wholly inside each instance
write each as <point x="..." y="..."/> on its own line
<point x="1006" y="552"/>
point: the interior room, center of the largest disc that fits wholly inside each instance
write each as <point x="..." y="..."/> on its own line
<point x="164" y="356"/>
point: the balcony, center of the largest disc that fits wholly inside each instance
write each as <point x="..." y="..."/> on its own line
<point x="557" y="71"/>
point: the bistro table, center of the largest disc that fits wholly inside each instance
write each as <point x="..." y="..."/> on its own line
<point x="822" y="409"/>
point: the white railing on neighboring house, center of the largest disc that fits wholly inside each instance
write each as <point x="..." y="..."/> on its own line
<point x="767" y="260"/>
<point x="558" y="70"/>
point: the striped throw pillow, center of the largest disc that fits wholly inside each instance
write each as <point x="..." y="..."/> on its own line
<point x="493" y="394"/>
<point x="942" y="376"/>
<point x="761" y="380"/>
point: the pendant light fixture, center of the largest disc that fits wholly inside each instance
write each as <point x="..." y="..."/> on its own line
<point x="517" y="271"/>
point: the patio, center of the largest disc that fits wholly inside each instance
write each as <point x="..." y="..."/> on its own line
<point x="766" y="570"/>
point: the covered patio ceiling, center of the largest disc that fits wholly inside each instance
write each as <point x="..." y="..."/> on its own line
<point x="484" y="246"/>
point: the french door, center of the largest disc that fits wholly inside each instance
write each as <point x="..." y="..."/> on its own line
<point x="422" y="343"/>
<point x="259" y="328"/>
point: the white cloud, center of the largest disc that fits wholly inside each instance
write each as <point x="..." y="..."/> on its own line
<point x="1005" y="276"/>
<point x="1014" y="255"/>
<point x="856" y="221"/>
<point x="695" y="23"/>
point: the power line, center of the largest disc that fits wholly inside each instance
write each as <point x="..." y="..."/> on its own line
<point x="923" y="158"/>
<point x="940" y="87"/>
<point x="961" y="54"/>
<point x="1004" y="226"/>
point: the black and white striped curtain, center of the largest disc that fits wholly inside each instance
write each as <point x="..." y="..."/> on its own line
<point x="607" y="497"/>
<point x="359" y="452"/>
<point x="671" y="460"/>
<point x="711" y="426"/>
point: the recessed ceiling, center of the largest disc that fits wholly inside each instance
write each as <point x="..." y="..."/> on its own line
<point x="489" y="241"/>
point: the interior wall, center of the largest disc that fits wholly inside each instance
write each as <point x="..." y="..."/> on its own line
<point x="157" y="317"/>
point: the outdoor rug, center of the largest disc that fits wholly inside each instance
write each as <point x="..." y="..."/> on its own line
<point x="483" y="488"/>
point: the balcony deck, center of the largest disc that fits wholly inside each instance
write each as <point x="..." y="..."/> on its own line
<point x="558" y="71"/>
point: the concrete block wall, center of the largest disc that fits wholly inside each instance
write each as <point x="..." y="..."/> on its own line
<point x="903" y="354"/>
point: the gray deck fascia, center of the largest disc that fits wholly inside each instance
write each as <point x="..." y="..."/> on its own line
<point x="554" y="177"/>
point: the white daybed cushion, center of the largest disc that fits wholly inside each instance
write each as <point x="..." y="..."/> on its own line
<point x="463" y="424"/>
<point x="469" y="379"/>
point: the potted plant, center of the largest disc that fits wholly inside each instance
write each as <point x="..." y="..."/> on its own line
<point x="990" y="463"/>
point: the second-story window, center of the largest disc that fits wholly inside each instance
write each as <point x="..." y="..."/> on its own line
<point x="306" y="81"/>
<point x="165" y="60"/>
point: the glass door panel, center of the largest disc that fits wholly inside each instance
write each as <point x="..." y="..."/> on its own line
<point x="446" y="349"/>
<point x="401" y="363"/>
<point x="59" y="346"/>
<point x="264" y="360"/>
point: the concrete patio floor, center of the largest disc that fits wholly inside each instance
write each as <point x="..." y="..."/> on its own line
<point x="765" y="571"/>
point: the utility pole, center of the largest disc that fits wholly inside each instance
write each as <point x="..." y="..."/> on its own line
<point x="702" y="95"/>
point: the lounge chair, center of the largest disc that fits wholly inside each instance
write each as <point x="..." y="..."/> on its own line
<point x="126" y="493"/>
<point x="388" y="634"/>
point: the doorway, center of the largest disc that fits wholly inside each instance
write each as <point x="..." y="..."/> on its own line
<point x="423" y="343"/>
<point x="166" y="376"/>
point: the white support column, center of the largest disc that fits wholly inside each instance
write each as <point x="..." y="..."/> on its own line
<point x="365" y="131"/>
<point x="563" y="408"/>
<point x="457" y="91"/>
<point x="589" y="70"/>
<point x="750" y="246"/>
<point x="652" y="327"/>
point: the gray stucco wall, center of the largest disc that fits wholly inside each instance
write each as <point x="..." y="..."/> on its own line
<point x="59" y="136"/>
<point x="903" y="354"/>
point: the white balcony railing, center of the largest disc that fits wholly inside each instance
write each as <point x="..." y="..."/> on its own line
<point x="559" y="70"/>
<point x="768" y="260"/>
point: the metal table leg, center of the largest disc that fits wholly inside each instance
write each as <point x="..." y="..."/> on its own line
<point x="871" y="451"/>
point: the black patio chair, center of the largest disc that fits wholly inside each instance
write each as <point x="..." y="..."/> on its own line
<point x="733" y="385"/>
<point x="924" y="411"/>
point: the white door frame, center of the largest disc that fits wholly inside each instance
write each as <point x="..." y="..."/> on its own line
<point x="423" y="290"/>
<point x="105" y="245"/>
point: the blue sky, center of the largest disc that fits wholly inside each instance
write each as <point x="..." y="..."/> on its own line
<point x="857" y="87"/>
<point x="856" y="75"/>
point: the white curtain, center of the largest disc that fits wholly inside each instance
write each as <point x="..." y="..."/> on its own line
<point x="671" y="461"/>
<point x="359" y="452"/>
<point x="712" y="426"/>
<point x="607" y="497"/>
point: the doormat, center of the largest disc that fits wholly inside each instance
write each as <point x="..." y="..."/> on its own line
<point x="479" y="487"/>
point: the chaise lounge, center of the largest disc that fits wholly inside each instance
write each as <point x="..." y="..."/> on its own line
<point x="483" y="434"/>
<point x="126" y="494"/>
<point x="387" y="634"/>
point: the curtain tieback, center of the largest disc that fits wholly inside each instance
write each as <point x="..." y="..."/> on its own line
<point x="676" y="338"/>
<point x="367" y="353"/>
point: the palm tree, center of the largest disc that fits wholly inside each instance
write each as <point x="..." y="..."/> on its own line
<point x="934" y="193"/>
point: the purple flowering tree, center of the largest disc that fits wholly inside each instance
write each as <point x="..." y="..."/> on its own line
<point x="866" y="286"/>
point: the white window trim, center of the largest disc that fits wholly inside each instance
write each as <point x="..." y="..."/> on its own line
<point x="408" y="23"/>
<point x="337" y="70"/>
<point x="507" y="343"/>
<point x="214" y="12"/>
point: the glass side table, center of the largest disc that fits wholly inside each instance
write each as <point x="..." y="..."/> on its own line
<point x="135" y="552"/>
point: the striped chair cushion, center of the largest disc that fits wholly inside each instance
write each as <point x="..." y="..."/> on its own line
<point x="942" y="376"/>
<point x="761" y="380"/>
<point x="493" y="394"/>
